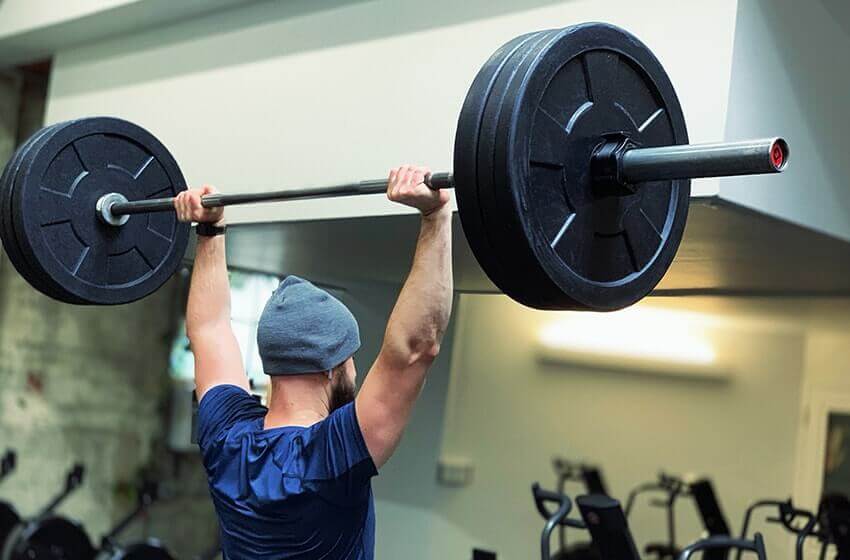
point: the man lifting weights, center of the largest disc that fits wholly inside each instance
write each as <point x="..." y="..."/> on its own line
<point x="294" y="480"/>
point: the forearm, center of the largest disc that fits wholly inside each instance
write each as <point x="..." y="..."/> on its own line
<point x="209" y="292"/>
<point x="421" y="314"/>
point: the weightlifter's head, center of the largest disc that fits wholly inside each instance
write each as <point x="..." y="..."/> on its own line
<point x="306" y="332"/>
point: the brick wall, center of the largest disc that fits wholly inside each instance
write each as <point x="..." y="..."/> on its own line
<point x="90" y="384"/>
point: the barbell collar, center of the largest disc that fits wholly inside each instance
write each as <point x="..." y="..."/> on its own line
<point x="693" y="161"/>
<point x="117" y="208"/>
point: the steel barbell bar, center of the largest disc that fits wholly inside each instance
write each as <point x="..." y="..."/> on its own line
<point x="633" y="166"/>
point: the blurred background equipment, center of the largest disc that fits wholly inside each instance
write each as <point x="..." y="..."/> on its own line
<point x="9" y="518"/>
<point x="50" y="536"/>
<point x="148" y="549"/>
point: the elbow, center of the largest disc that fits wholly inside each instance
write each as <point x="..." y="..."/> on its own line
<point x="198" y="330"/>
<point x="424" y="350"/>
<point x="194" y="328"/>
<point x="419" y="352"/>
<point x="194" y="334"/>
<point x="431" y="351"/>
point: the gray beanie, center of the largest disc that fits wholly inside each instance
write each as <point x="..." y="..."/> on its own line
<point x="304" y="329"/>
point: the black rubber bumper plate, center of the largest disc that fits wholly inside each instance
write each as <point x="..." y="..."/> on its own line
<point x="540" y="231"/>
<point x="65" y="250"/>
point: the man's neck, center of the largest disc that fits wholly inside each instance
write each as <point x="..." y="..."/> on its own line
<point x="298" y="400"/>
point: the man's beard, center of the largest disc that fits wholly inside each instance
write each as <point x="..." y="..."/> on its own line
<point x="343" y="392"/>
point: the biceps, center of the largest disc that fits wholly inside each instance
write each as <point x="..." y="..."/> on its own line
<point x="384" y="406"/>
<point x="218" y="359"/>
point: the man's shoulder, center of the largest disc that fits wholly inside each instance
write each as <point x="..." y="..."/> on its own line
<point x="221" y="391"/>
<point x="224" y="408"/>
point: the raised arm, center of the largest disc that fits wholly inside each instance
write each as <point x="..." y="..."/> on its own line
<point x="417" y="323"/>
<point x="218" y="359"/>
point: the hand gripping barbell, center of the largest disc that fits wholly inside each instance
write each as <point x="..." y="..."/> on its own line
<point x="571" y="165"/>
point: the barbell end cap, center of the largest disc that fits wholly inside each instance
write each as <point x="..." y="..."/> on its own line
<point x="103" y="207"/>
<point x="779" y="154"/>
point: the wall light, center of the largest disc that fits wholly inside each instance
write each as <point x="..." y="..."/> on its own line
<point x="641" y="339"/>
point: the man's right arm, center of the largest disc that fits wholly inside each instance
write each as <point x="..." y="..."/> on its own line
<point x="218" y="359"/>
<point x="417" y="324"/>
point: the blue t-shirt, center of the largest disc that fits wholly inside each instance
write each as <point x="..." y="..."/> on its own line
<point x="287" y="492"/>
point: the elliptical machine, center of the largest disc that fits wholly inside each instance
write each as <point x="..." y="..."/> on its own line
<point x="707" y="504"/>
<point x="603" y="517"/>
<point x="591" y="478"/>
<point x="555" y="508"/>
<point x="672" y="488"/>
<point x="609" y="529"/>
<point x="800" y="522"/>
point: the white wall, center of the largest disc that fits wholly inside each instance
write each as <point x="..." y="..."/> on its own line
<point x="310" y="92"/>
<point x="21" y="16"/>
<point x="788" y="79"/>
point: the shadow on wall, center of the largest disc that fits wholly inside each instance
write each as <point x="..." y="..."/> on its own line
<point x="282" y="29"/>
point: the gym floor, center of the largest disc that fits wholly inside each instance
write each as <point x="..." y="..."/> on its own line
<point x="727" y="373"/>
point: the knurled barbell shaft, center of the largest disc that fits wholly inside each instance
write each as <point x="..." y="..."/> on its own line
<point x="692" y="161"/>
<point x="636" y="165"/>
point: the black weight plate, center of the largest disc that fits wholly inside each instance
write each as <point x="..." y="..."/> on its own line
<point x="55" y="211"/>
<point x="523" y="278"/>
<point x="466" y="150"/>
<point x="39" y="277"/>
<point x="10" y="239"/>
<point x="5" y="198"/>
<point x="598" y="252"/>
<point x="506" y="274"/>
<point x="9" y="233"/>
<point x="31" y="271"/>
<point x="6" y="183"/>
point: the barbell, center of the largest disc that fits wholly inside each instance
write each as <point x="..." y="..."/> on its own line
<point x="572" y="174"/>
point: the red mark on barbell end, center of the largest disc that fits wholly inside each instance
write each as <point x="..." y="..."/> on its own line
<point x="777" y="155"/>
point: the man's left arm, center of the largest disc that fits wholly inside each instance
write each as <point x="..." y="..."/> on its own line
<point x="417" y="323"/>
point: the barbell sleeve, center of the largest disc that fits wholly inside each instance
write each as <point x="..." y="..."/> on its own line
<point x="435" y="181"/>
<point x="752" y="157"/>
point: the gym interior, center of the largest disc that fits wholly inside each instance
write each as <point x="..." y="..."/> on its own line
<point x="713" y="408"/>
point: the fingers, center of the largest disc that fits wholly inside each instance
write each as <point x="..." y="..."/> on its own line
<point x="418" y="176"/>
<point x="398" y="181"/>
<point x="189" y="206"/>
<point x="180" y="206"/>
<point x="406" y="185"/>
<point x="406" y="180"/>
<point x="392" y="182"/>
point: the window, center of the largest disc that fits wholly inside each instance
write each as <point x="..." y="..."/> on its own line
<point x="249" y="292"/>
